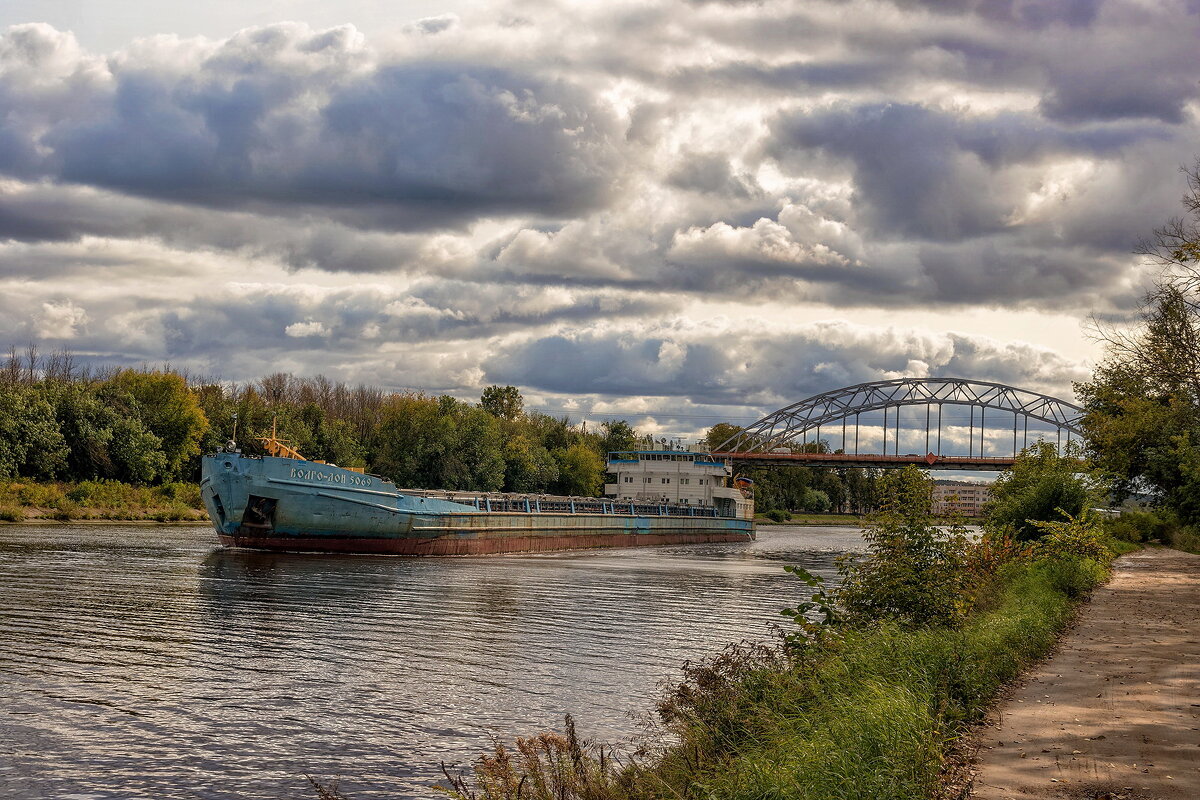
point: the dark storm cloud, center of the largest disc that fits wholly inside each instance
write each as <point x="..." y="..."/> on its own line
<point x="767" y="369"/>
<point x="433" y="143"/>
<point x="1119" y="91"/>
<point x="355" y="321"/>
<point x="998" y="272"/>
<point x="711" y="173"/>
<point x="931" y="174"/>
<point x="1028" y="14"/>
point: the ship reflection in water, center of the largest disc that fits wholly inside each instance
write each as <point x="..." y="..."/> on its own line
<point x="143" y="663"/>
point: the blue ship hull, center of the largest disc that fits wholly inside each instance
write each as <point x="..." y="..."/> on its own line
<point x="289" y="504"/>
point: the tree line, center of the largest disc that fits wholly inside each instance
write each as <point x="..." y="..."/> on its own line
<point x="148" y="426"/>
<point x="63" y="421"/>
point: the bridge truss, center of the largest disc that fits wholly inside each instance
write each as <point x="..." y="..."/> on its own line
<point x="785" y="426"/>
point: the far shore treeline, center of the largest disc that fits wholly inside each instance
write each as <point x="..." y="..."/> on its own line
<point x="63" y="422"/>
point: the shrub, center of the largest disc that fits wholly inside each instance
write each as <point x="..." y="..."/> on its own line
<point x="778" y="515"/>
<point x="80" y="493"/>
<point x="1140" y="526"/>
<point x="65" y="510"/>
<point x="1073" y="577"/>
<point x="175" y="512"/>
<point x="1041" y="485"/>
<point x="186" y="493"/>
<point x="1184" y="538"/>
<point x="11" y="514"/>
<point x="1074" y="538"/>
<point x="39" y="495"/>
<point x="914" y="572"/>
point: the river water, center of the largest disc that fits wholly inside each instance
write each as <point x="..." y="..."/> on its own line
<point x="146" y="662"/>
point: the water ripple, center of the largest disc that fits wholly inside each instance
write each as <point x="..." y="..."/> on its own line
<point x="144" y="662"/>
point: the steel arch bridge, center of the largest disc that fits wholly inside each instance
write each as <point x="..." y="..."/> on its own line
<point x="762" y="441"/>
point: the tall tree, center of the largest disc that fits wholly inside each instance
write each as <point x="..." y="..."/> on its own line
<point x="720" y="433"/>
<point x="1041" y="486"/>
<point x="580" y="471"/>
<point x="1142" y="405"/>
<point x="618" y="435"/>
<point x="504" y="402"/>
<point x="31" y="444"/>
<point x="166" y="406"/>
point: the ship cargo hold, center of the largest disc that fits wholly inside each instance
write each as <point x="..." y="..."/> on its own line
<point x="284" y="502"/>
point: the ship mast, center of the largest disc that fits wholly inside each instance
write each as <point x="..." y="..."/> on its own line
<point x="276" y="446"/>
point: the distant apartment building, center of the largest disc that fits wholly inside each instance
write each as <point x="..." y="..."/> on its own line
<point x="960" y="497"/>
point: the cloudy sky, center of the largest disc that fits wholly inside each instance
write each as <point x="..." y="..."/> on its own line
<point x="692" y="210"/>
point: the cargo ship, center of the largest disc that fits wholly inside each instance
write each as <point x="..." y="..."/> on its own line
<point x="282" y="501"/>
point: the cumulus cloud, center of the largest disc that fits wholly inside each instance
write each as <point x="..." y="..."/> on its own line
<point x="60" y="320"/>
<point x="768" y="369"/>
<point x="286" y="116"/>
<point x="935" y="174"/>
<point x="300" y="330"/>
<point x="588" y="201"/>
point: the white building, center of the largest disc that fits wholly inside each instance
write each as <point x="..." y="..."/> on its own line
<point x="678" y="477"/>
<point x="960" y="497"/>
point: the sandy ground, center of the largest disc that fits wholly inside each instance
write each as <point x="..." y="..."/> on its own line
<point x="1115" y="712"/>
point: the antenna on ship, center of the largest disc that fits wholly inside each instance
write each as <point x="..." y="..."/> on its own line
<point x="231" y="445"/>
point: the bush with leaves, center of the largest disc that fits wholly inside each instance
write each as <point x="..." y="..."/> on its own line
<point x="1074" y="537"/>
<point x="1041" y="486"/>
<point x="816" y="616"/>
<point x="914" y="571"/>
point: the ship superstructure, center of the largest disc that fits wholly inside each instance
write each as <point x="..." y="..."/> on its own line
<point x="679" y="477"/>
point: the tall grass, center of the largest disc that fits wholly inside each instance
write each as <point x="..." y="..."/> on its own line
<point x="103" y="499"/>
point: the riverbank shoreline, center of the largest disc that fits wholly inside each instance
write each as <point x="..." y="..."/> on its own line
<point x="1114" y="710"/>
<point x="814" y="521"/>
<point x="26" y="501"/>
<point x="47" y="521"/>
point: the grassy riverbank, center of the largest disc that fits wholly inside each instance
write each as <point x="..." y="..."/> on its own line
<point x="871" y="713"/>
<point x="22" y="501"/>
<point x="866" y="697"/>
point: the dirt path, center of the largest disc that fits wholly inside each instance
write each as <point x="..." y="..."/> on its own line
<point x="1115" y="713"/>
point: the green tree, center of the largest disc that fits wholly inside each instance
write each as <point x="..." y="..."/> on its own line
<point x="477" y="447"/>
<point x="1040" y="486"/>
<point x="503" y="402"/>
<point x="31" y="444"/>
<point x="1142" y="418"/>
<point x="136" y="453"/>
<point x="618" y="435"/>
<point x="439" y="443"/>
<point x="720" y="433"/>
<point x="166" y="406"/>
<point x="816" y="501"/>
<point x="914" y="571"/>
<point x="580" y="471"/>
<point x="1138" y="435"/>
<point x="336" y="441"/>
<point x="528" y="467"/>
<point x="86" y="424"/>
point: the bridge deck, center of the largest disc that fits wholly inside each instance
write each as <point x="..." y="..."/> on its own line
<point x="929" y="461"/>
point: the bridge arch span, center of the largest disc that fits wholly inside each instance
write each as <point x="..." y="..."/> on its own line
<point x="839" y="405"/>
